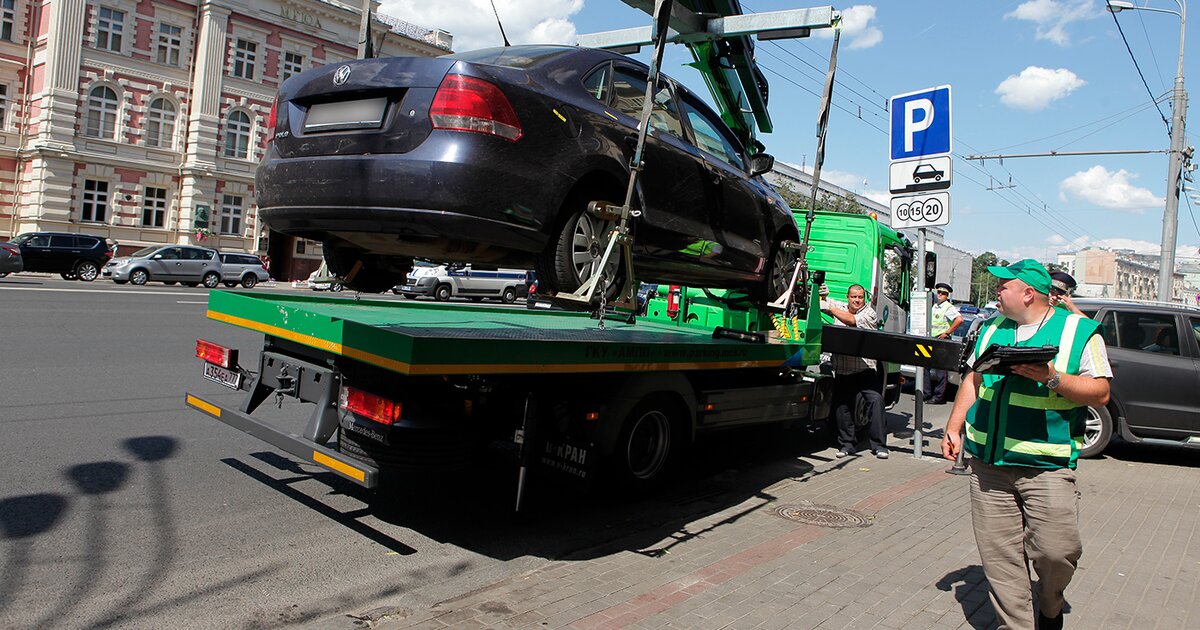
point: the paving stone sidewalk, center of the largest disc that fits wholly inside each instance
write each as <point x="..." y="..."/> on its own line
<point x="914" y="565"/>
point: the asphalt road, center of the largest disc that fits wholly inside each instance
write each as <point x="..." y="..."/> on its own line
<point x="122" y="508"/>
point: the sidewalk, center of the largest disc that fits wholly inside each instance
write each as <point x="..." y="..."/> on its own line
<point x="912" y="564"/>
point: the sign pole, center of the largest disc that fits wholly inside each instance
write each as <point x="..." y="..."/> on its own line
<point x="919" y="387"/>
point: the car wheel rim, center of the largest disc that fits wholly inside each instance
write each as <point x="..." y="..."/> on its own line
<point x="781" y="272"/>
<point x="138" y="277"/>
<point x="1093" y="426"/>
<point x="648" y="445"/>
<point x="587" y="246"/>
<point x="87" y="272"/>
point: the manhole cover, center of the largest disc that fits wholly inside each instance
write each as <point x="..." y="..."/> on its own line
<point x="823" y="515"/>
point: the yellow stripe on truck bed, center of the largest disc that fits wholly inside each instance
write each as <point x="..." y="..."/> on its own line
<point x="339" y="466"/>
<point x="208" y="408"/>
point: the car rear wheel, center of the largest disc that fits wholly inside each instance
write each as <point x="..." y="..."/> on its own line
<point x="509" y="296"/>
<point x="1097" y="431"/>
<point x="87" y="270"/>
<point x="212" y="279"/>
<point x="139" y="277"/>
<point x="249" y="281"/>
<point x="574" y="256"/>
<point x="442" y="293"/>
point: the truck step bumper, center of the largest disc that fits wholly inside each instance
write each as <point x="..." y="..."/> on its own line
<point x="354" y="470"/>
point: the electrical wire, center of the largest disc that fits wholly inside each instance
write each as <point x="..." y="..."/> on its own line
<point x="1139" y="68"/>
<point x="1135" y="109"/>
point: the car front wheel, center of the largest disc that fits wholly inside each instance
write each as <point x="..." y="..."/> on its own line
<point x="212" y="279"/>
<point x="442" y="293"/>
<point x="509" y="296"/>
<point x="249" y="281"/>
<point x="139" y="277"/>
<point x="1097" y="431"/>
<point x="87" y="271"/>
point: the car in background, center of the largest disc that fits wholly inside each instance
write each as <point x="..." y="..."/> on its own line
<point x="493" y="157"/>
<point x="1154" y="351"/>
<point x="443" y="282"/>
<point x="10" y="259"/>
<point x="245" y="269"/>
<point x="73" y="256"/>
<point x="169" y="264"/>
<point x="320" y="280"/>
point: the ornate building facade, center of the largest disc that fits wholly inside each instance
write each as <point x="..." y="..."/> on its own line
<point x="142" y="121"/>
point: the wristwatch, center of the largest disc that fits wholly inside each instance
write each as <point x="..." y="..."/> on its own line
<point x="1054" y="381"/>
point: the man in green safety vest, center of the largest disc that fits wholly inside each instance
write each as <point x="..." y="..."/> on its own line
<point x="943" y="321"/>
<point x="1023" y="431"/>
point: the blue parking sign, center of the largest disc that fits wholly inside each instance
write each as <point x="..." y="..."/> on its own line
<point x="921" y="123"/>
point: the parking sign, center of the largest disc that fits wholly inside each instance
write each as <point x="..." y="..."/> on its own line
<point x="921" y="123"/>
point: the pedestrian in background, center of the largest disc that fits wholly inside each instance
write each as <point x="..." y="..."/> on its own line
<point x="1023" y="431"/>
<point x="855" y="378"/>
<point x="1062" y="287"/>
<point x="945" y="319"/>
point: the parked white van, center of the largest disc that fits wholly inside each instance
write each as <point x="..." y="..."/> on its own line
<point x="442" y="282"/>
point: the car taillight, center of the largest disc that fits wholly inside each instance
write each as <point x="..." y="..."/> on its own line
<point x="10" y="249"/>
<point x="469" y="104"/>
<point x="369" y="406"/>
<point x="213" y="353"/>
<point x="271" y="119"/>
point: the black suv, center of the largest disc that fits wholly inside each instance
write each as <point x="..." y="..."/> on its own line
<point x="74" y="256"/>
<point x="1154" y="350"/>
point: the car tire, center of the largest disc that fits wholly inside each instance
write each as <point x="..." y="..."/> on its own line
<point x="649" y="444"/>
<point x="1097" y="431"/>
<point x="68" y="275"/>
<point x="509" y="296"/>
<point x="779" y="275"/>
<point x="87" y="270"/>
<point x="250" y="281"/>
<point x="442" y="293"/>
<point x="569" y="260"/>
<point x="375" y="275"/>
<point x="916" y="180"/>
<point x="211" y="280"/>
<point x="335" y="287"/>
<point x="138" y="277"/>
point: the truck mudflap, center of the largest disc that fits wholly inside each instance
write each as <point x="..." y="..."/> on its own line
<point x="360" y="473"/>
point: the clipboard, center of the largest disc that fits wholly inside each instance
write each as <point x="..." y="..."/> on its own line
<point x="997" y="359"/>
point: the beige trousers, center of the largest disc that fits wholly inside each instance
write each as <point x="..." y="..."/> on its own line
<point x="1025" y="516"/>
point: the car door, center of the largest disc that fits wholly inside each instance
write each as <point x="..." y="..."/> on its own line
<point x="735" y="217"/>
<point x="166" y="264"/>
<point x="64" y="251"/>
<point x="1154" y="376"/>
<point x="197" y="262"/>
<point x="35" y="251"/>
<point x="675" y="212"/>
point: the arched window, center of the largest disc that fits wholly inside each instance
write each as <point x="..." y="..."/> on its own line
<point x="101" y="113"/>
<point x="160" y="124"/>
<point x="237" y="135"/>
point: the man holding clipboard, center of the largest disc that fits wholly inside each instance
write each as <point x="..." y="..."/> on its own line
<point x="1024" y="426"/>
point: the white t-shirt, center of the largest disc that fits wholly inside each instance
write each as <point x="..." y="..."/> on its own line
<point x="1093" y="362"/>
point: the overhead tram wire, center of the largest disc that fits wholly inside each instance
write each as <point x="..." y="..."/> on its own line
<point x="822" y="72"/>
<point x="1126" y="113"/>
<point x="1150" y="46"/>
<point x="806" y="89"/>
<point x="821" y="82"/>
<point x="1139" y="68"/>
<point x="1123" y="118"/>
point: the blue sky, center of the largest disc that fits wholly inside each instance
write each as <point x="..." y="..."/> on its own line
<point x="1027" y="77"/>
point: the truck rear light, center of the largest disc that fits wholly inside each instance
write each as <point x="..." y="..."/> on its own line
<point x="468" y="104"/>
<point x="216" y="354"/>
<point x="369" y="406"/>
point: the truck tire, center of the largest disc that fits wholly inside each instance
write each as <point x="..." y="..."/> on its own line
<point x="442" y="293"/>
<point x="1097" y="431"/>
<point x="648" y="448"/>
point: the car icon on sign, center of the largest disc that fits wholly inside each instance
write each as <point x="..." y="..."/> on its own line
<point x="926" y="171"/>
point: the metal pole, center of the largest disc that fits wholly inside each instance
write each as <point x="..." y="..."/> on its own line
<point x="919" y="387"/>
<point x="364" y="32"/>
<point x="1166" y="272"/>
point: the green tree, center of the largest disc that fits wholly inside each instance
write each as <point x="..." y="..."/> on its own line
<point x="984" y="288"/>
<point x="826" y="201"/>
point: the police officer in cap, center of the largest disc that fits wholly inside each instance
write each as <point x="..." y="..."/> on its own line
<point x="942" y="324"/>
<point x="1062" y="285"/>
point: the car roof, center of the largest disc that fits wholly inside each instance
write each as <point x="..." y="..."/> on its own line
<point x="1129" y="304"/>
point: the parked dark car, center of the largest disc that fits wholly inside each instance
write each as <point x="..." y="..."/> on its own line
<point x="1154" y="350"/>
<point x="492" y="156"/>
<point x="73" y="256"/>
<point x="10" y="259"/>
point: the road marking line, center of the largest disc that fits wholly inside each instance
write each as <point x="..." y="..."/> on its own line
<point x="187" y="302"/>
<point x="8" y="288"/>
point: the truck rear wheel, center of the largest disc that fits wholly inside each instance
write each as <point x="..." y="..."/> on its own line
<point x="649" y="444"/>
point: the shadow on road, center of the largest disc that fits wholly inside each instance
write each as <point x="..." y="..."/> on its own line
<point x="971" y="590"/>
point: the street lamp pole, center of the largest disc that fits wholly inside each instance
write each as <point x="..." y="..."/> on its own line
<point x="1166" y="272"/>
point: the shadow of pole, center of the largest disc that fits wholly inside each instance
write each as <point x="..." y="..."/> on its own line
<point x="971" y="591"/>
<point x="22" y="519"/>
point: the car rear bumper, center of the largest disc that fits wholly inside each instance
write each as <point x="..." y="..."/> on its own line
<point x="11" y="265"/>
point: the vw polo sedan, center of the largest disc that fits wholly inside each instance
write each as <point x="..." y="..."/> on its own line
<point x="493" y="156"/>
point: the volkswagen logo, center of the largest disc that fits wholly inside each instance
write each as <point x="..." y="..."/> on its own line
<point x="341" y="76"/>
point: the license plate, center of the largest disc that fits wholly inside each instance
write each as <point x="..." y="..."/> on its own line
<point x="407" y="287"/>
<point x="363" y="114"/>
<point x="218" y="374"/>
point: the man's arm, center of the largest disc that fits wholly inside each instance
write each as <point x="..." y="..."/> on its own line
<point x="953" y="325"/>
<point x="1083" y="390"/>
<point x="952" y="440"/>
<point x="842" y="315"/>
<point x="1066" y="301"/>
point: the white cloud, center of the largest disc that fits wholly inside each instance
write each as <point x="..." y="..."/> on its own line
<point x="1035" y="88"/>
<point x="856" y="27"/>
<point x="1051" y="17"/>
<point x="473" y="24"/>
<point x="1108" y="189"/>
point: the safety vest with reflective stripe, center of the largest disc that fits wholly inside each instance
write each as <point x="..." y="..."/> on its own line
<point x="1017" y="421"/>
<point x="939" y="322"/>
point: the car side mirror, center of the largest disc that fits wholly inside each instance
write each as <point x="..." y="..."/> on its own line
<point x="761" y="163"/>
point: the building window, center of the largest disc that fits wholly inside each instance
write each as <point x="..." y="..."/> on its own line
<point x="237" y="136"/>
<point x="170" y="40"/>
<point x="244" y="55"/>
<point x="95" y="201"/>
<point x="160" y="124"/>
<point x="293" y="64"/>
<point x="3" y="106"/>
<point x="154" y="207"/>
<point x="109" y="29"/>
<point x="7" y="19"/>
<point x="231" y="214"/>
<point x="101" y="113"/>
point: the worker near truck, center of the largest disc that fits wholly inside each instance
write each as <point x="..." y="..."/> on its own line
<point x="1023" y="431"/>
<point x="1062" y="287"/>
<point x="856" y="377"/>
<point x="945" y="319"/>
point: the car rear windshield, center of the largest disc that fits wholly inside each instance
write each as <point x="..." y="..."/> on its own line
<point x="512" y="57"/>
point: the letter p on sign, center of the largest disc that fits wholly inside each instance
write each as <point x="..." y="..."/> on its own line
<point x="921" y="123"/>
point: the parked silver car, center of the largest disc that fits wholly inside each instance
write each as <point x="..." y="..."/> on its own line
<point x="244" y="269"/>
<point x="168" y="264"/>
<point x="10" y="259"/>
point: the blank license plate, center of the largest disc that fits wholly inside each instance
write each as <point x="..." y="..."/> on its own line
<point x="363" y="114"/>
<point x="218" y="374"/>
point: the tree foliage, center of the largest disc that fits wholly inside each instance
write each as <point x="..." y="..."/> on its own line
<point x="826" y="201"/>
<point x="984" y="288"/>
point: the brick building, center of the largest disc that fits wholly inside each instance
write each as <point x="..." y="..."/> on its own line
<point x="142" y="121"/>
